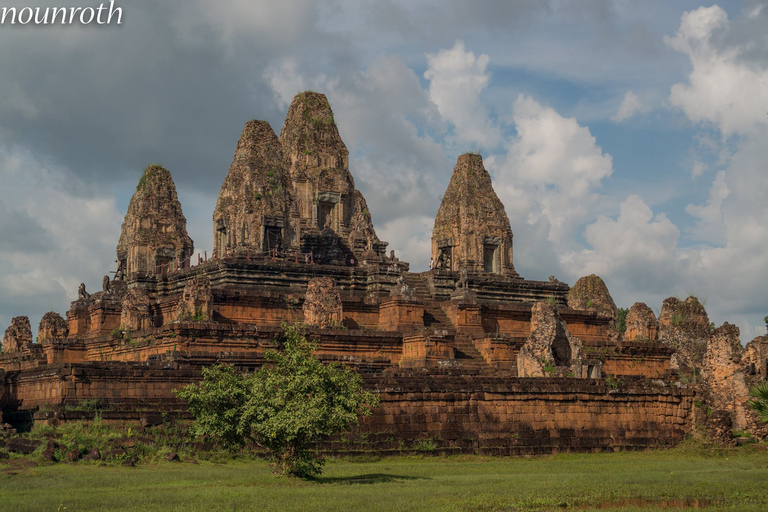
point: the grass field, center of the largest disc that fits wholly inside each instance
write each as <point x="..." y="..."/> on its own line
<point x="689" y="476"/>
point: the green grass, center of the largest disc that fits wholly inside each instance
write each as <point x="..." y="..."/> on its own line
<point x="732" y="479"/>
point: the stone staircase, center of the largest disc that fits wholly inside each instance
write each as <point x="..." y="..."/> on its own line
<point x="467" y="357"/>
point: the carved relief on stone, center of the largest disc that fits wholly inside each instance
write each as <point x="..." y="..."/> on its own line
<point x="322" y="304"/>
<point x="17" y="335"/>
<point x="196" y="303"/>
<point x="550" y="350"/>
<point x="136" y="313"/>
<point x="52" y="327"/>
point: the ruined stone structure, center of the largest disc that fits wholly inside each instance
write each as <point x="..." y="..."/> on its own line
<point x="641" y="324"/>
<point x="470" y="354"/>
<point x="724" y="377"/>
<point x="590" y="294"/>
<point x="17" y="335"/>
<point x="154" y="233"/>
<point x="196" y="301"/>
<point x="550" y="349"/>
<point x="52" y="327"/>
<point x="684" y="326"/>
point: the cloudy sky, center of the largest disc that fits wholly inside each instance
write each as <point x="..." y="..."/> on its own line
<point x="626" y="139"/>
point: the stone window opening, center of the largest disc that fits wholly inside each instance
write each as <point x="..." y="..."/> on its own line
<point x="273" y="238"/>
<point x="491" y="258"/>
<point x="444" y="258"/>
<point x="221" y="234"/>
<point x="561" y="349"/>
<point x="325" y="215"/>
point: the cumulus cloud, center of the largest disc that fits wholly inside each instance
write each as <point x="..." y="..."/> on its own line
<point x="630" y="106"/>
<point x="637" y="243"/>
<point x="557" y="162"/>
<point x="709" y="226"/>
<point x="456" y="80"/>
<point x="57" y="231"/>
<point x="722" y="88"/>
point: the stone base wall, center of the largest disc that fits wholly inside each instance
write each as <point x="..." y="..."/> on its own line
<point x="525" y="416"/>
<point x="457" y="413"/>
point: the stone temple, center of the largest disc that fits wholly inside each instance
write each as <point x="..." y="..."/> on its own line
<point x="470" y="354"/>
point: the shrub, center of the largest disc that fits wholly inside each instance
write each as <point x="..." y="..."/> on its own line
<point x="286" y="406"/>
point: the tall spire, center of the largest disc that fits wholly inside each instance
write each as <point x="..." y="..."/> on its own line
<point x="472" y="230"/>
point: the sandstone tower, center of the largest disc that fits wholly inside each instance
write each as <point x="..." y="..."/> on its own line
<point x="472" y="231"/>
<point x="253" y="210"/>
<point x="324" y="189"/>
<point x="154" y="231"/>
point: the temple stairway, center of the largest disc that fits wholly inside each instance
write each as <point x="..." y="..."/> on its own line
<point x="467" y="357"/>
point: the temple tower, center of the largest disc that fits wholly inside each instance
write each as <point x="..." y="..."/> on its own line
<point x="472" y="230"/>
<point x="154" y="231"/>
<point x="324" y="189"/>
<point x="255" y="204"/>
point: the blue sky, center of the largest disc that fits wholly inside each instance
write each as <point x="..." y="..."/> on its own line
<point x="625" y="138"/>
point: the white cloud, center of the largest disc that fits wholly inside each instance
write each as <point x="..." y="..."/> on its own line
<point x="411" y="239"/>
<point x="456" y="80"/>
<point x="630" y="106"/>
<point x="722" y="88"/>
<point x="557" y="162"/>
<point x="636" y="242"/>
<point x="285" y="81"/>
<point x="709" y="227"/>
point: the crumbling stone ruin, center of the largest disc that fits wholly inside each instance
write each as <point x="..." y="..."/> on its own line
<point x="17" y="335"/>
<point x="724" y="380"/>
<point x="755" y="358"/>
<point x="590" y="294"/>
<point x="550" y="349"/>
<point x="641" y="323"/>
<point x="196" y="301"/>
<point x="684" y="325"/>
<point x="469" y="354"/>
<point x="52" y="327"/>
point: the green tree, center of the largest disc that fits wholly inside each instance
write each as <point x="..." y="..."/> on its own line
<point x="286" y="406"/>
<point x="760" y="402"/>
<point x="621" y="319"/>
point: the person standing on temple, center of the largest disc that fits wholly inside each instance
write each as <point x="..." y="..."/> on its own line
<point x="431" y="263"/>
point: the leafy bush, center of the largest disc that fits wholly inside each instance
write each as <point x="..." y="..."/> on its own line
<point x="621" y="319"/>
<point x="760" y="402"/>
<point x="286" y="406"/>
